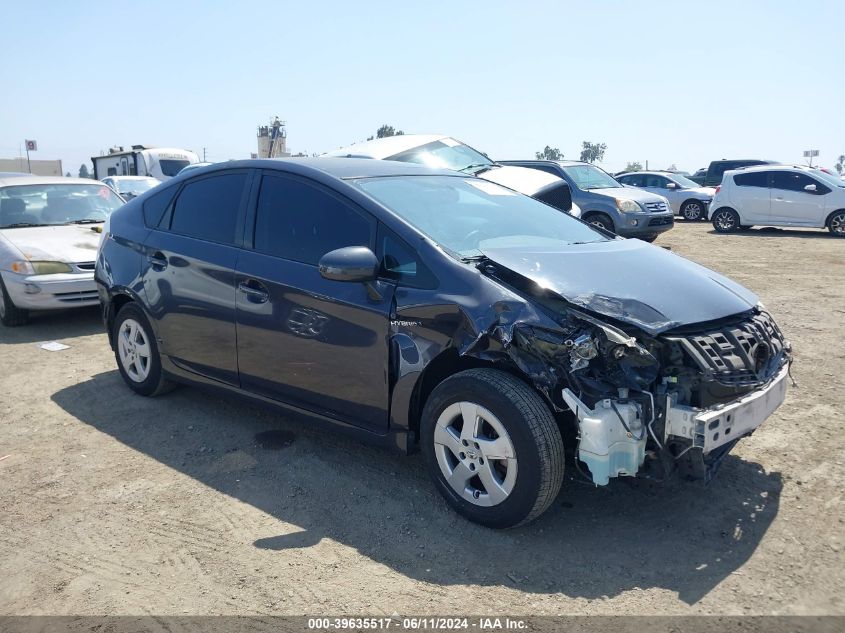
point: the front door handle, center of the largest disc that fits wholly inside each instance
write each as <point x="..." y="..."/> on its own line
<point x="254" y="291"/>
<point x="157" y="260"/>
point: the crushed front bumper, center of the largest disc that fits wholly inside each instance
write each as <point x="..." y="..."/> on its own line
<point x="710" y="433"/>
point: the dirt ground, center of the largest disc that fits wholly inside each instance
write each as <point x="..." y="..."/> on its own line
<point x="115" y="504"/>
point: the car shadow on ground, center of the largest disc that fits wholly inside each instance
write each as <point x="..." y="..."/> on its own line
<point x="54" y="325"/>
<point x="633" y="534"/>
<point x="776" y="231"/>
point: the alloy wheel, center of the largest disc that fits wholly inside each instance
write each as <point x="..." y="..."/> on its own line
<point x="837" y="224"/>
<point x="134" y="350"/>
<point x="725" y="220"/>
<point x="692" y="211"/>
<point x="475" y="454"/>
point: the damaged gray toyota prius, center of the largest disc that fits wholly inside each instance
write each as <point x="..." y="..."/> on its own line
<point x="433" y="311"/>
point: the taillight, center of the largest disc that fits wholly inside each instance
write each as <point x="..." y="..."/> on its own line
<point x="718" y="188"/>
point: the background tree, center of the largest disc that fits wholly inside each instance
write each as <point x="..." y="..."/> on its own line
<point x="635" y="166"/>
<point x="83" y="171"/>
<point x="387" y="130"/>
<point x="672" y="167"/>
<point x="592" y="152"/>
<point x="67" y="175"/>
<point x="549" y="153"/>
<point x="840" y="165"/>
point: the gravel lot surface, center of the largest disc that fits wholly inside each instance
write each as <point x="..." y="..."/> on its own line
<point x="113" y="503"/>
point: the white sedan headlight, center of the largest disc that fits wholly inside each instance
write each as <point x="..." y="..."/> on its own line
<point x="24" y="267"/>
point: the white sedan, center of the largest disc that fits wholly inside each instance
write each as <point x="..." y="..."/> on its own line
<point x="49" y="232"/>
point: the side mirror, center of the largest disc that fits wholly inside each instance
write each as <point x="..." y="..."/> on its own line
<point x="671" y="185"/>
<point x="810" y="188"/>
<point x="350" y="263"/>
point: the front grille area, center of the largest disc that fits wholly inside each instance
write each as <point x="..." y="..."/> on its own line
<point x="77" y="297"/>
<point x="660" y="221"/>
<point x="747" y="353"/>
<point x="655" y="207"/>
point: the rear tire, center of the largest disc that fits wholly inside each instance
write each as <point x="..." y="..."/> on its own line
<point x="136" y="352"/>
<point x="11" y="315"/>
<point x="692" y="210"/>
<point x="836" y="223"/>
<point x="492" y="448"/>
<point x="725" y="220"/>
<point x="602" y="221"/>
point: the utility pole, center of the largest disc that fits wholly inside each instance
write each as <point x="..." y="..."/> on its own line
<point x="203" y="155"/>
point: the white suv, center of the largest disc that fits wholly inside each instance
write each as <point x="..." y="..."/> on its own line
<point x="779" y="195"/>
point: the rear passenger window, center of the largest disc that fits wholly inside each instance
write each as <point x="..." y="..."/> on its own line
<point x="301" y="222"/>
<point x="753" y="179"/>
<point x="156" y="205"/>
<point x="207" y="209"/>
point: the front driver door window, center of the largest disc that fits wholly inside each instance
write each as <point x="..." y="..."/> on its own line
<point x="793" y="204"/>
<point x="320" y="345"/>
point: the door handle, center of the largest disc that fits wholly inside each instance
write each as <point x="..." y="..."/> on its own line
<point x="254" y="291"/>
<point x="157" y="260"/>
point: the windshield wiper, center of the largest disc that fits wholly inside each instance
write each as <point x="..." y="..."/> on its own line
<point x="85" y="221"/>
<point x="486" y="166"/>
<point x="18" y="225"/>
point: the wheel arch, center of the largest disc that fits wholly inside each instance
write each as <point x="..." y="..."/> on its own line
<point x="446" y="364"/>
<point x="831" y="214"/>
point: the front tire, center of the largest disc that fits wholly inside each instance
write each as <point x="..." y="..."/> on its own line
<point x="725" y="220"/>
<point x="836" y="223"/>
<point x="692" y="211"/>
<point x="136" y="352"/>
<point x="10" y="314"/>
<point x="492" y="448"/>
<point x="602" y="221"/>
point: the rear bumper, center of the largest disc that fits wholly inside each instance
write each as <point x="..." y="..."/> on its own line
<point x="51" y="292"/>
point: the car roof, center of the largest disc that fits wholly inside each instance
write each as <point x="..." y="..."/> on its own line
<point x="342" y="168"/>
<point x="130" y="177"/>
<point x="46" y="180"/>
<point x="381" y="148"/>
<point x="653" y="172"/>
<point x="770" y="167"/>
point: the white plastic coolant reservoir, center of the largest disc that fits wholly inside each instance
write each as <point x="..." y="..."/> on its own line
<point x="605" y="446"/>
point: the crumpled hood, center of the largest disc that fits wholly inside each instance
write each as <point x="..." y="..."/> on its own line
<point x="629" y="280"/>
<point x="629" y="193"/>
<point x="521" y="179"/>
<point x="71" y="243"/>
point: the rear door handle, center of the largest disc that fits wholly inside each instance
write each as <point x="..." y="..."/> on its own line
<point x="254" y="291"/>
<point x="157" y="260"/>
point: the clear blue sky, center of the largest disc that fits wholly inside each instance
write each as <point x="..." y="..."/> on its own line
<point x="667" y="82"/>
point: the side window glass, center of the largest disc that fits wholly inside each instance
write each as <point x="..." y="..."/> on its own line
<point x="400" y="262"/>
<point x="207" y="209"/>
<point x="753" y="179"/>
<point x="656" y="182"/>
<point x="301" y="222"/>
<point x="156" y="205"/>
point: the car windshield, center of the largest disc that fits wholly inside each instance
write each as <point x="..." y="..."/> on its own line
<point x="467" y="215"/>
<point x="588" y="177"/>
<point x="136" y="186"/>
<point x="685" y="182"/>
<point x="51" y="204"/>
<point x="830" y="179"/>
<point x="446" y="153"/>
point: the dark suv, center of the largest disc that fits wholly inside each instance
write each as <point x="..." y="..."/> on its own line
<point x="428" y="309"/>
<point x="717" y="169"/>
